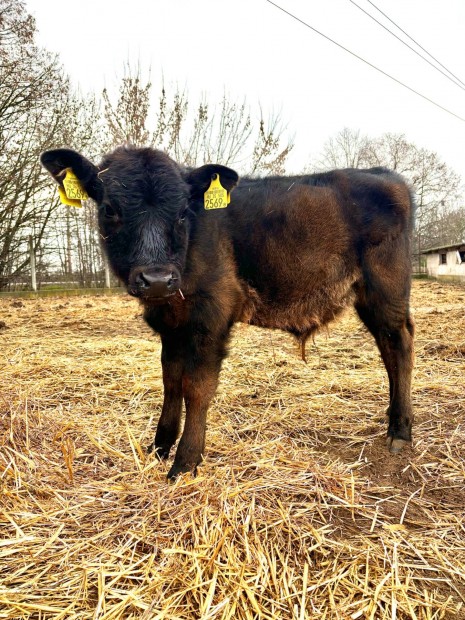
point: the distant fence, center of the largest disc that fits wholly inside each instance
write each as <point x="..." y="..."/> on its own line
<point x="62" y="292"/>
<point x="50" y="283"/>
<point x="35" y="278"/>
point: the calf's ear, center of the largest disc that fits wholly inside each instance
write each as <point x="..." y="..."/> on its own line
<point x="200" y="178"/>
<point x="57" y="161"/>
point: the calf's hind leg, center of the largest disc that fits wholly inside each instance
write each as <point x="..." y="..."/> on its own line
<point x="392" y="327"/>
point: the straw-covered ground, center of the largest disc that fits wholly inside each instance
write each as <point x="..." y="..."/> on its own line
<point x="298" y="510"/>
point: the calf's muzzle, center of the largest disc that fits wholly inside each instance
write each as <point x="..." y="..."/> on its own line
<point x="155" y="283"/>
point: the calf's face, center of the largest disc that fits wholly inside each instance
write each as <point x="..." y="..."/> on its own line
<point x="143" y="221"/>
<point x="147" y="206"/>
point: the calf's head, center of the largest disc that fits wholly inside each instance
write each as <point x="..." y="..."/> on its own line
<point x="147" y="209"/>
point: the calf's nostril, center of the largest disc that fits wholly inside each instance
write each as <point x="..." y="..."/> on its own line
<point x="172" y="282"/>
<point x="143" y="280"/>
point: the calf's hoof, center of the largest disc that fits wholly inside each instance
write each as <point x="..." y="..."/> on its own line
<point x="396" y="445"/>
<point x="161" y="452"/>
<point x="181" y="468"/>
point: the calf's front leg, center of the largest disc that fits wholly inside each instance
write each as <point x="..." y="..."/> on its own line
<point x="172" y="360"/>
<point x="198" y="387"/>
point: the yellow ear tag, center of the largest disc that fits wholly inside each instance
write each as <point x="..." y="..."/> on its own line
<point x="216" y="197"/>
<point x="73" y="192"/>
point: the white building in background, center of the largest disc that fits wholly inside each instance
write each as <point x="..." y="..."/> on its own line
<point x="446" y="261"/>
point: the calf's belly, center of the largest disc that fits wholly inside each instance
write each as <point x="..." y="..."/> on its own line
<point x="302" y="314"/>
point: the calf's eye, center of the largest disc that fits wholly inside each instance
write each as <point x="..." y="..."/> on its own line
<point x="109" y="212"/>
<point x="182" y="216"/>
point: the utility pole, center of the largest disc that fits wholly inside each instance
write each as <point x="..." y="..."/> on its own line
<point x="107" y="273"/>
<point x="32" y="258"/>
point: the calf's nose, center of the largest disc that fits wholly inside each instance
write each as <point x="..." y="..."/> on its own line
<point x="150" y="282"/>
<point x="158" y="284"/>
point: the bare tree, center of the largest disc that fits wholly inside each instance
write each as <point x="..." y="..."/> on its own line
<point x="224" y="132"/>
<point x="346" y="149"/>
<point x="29" y="95"/>
<point x="127" y="119"/>
<point x="37" y="111"/>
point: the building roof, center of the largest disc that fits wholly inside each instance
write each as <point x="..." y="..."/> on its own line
<point x="452" y="246"/>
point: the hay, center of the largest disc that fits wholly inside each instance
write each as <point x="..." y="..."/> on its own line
<point x="298" y="511"/>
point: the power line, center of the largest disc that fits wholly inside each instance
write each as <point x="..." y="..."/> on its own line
<point x="454" y="81"/>
<point x="366" y="62"/>
<point x="416" y="42"/>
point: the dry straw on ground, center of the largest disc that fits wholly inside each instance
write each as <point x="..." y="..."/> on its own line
<point x="298" y="511"/>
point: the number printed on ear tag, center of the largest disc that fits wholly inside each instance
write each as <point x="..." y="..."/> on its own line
<point x="216" y="197"/>
<point x="68" y="201"/>
<point x="73" y="187"/>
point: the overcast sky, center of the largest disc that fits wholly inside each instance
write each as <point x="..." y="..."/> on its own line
<point x="251" y="49"/>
